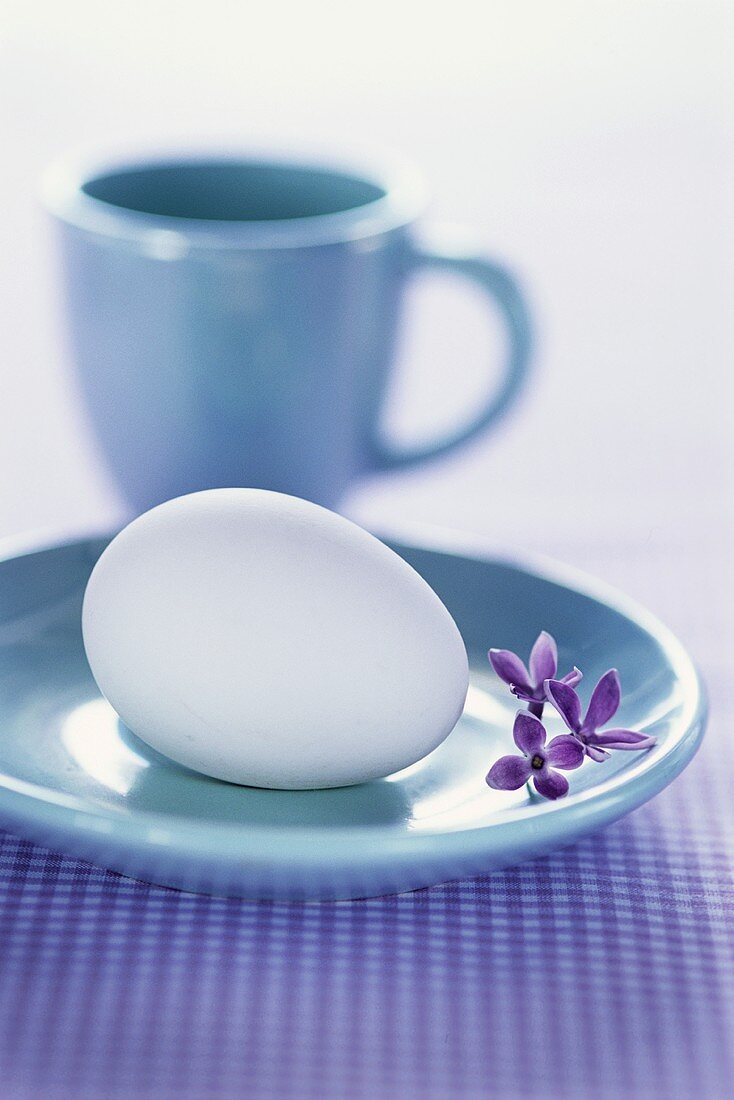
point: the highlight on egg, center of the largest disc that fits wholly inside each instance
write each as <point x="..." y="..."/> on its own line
<point x="264" y="640"/>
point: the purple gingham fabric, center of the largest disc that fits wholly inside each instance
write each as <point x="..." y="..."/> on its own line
<point x="604" y="971"/>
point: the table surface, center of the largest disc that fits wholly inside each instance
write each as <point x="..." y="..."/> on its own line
<point x="591" y="145"/>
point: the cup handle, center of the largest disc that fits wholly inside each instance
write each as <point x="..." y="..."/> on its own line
<point x="502" y="288"/>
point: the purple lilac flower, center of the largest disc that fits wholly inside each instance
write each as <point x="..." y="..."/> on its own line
<point x="538" y="760"/>
<point x="543" y="665"/>
<point x="604" y="703"/>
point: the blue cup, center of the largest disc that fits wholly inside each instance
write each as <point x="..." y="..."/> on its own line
<point x="234" y="319"/>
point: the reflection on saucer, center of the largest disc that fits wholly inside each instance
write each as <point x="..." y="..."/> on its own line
<point x="91" y="736"/>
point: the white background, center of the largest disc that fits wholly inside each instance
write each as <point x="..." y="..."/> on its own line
<point x="589" y="144"/>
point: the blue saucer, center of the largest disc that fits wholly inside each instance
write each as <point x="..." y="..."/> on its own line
<point x="74" y="778"/>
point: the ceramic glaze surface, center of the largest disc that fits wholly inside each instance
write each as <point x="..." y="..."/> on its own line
<point x="234" y="319"/>
<point x="262" y="639"/>
<point x="74" y="778"/>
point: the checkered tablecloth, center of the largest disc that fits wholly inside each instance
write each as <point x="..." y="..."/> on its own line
<point x="606" y="971"/>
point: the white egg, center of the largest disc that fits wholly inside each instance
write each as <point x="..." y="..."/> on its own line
<point x="264" y="640"/>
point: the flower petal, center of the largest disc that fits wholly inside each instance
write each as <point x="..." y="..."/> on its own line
<point x="528" y="733"/>
<point x="543" y="663"/>
<point x="510" y="668"/>
<point x="573" y="677"/>
<point x="509" y="773"/>
<point x="565" y="752"/>
<point x="566" y="702"/>
<point x="604" y="701"/>
<point x="599" y="755"/>
<point x="550" y="784"/>
<point x="623" y="739"/>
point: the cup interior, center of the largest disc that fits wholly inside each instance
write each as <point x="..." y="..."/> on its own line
<point x="232" y="191"/>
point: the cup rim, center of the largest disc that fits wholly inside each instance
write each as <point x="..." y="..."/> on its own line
<point x="167" y="236"/>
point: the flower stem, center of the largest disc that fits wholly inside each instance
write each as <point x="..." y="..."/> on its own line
<point x="536" y="709"/>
